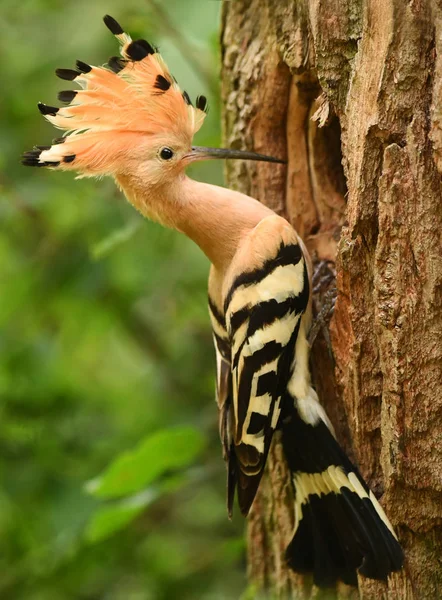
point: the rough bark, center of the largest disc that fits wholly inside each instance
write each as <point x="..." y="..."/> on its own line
<point x="351" y="92"/>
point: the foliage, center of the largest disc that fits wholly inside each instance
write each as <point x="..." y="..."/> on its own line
<point x="107" y="370"/>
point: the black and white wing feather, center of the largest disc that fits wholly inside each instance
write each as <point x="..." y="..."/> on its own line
<point x="263" y="310"/>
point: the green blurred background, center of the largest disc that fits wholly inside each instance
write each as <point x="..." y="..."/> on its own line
<point x="113" y="484"/>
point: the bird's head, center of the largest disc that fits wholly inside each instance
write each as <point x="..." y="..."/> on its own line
<point x="128" y="119"/>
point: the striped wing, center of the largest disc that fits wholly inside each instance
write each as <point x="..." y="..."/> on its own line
<point x="263" y="311"/>
<point x="223" y="373"/>
<point x="224" y="395"/>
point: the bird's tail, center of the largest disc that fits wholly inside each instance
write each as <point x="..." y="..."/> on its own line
<point x="340" y="527"/>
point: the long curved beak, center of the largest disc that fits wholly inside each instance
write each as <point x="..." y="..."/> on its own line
<point x="202" y="153"/>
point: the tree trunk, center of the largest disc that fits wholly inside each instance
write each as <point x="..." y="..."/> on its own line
<point x="350" y="91"/>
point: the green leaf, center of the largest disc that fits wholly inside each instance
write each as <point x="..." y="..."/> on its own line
<point x="115" y="239"/>
<point x="111" y="518"/>
<point x="132" y="471"/>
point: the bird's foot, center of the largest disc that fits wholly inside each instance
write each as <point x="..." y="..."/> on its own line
<point x="323" y="317"/>
<point x="324" y="300"/>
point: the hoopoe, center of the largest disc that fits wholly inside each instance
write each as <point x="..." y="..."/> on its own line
<point x="130" y="120"/>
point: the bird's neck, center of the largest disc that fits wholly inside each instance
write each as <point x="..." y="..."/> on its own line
<point x="215" y="218"/>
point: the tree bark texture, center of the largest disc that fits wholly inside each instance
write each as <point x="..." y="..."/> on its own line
<point x="350" y="91"/>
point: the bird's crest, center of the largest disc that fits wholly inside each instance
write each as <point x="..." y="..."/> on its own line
<point x="131" y="102"/>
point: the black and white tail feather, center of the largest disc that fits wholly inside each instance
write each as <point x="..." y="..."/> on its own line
<point x="340" y="527"/>
<point x="263" y="383"/>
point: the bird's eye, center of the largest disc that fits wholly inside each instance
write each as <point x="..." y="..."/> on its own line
<point x="166" y="153"/>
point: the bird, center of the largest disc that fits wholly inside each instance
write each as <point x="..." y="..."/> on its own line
<point x="130" y="120"/>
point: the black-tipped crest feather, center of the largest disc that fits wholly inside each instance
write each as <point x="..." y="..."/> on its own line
<point x="31" y="159"/>
<point x="116" y="64"/>
<point x="201" y="103"/>
<point x="67" y="74"/>
<point x="83" y="67"/>
<point x="113" y="25"/>
<point x="139" y="49"/>
<point x="67" y="95"/>
<point x="161" y="83"/>
<point x="45" y="109"/>
<point x="187" y="99"/>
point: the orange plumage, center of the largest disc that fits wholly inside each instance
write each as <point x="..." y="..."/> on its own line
<point x="123" y="112"/>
